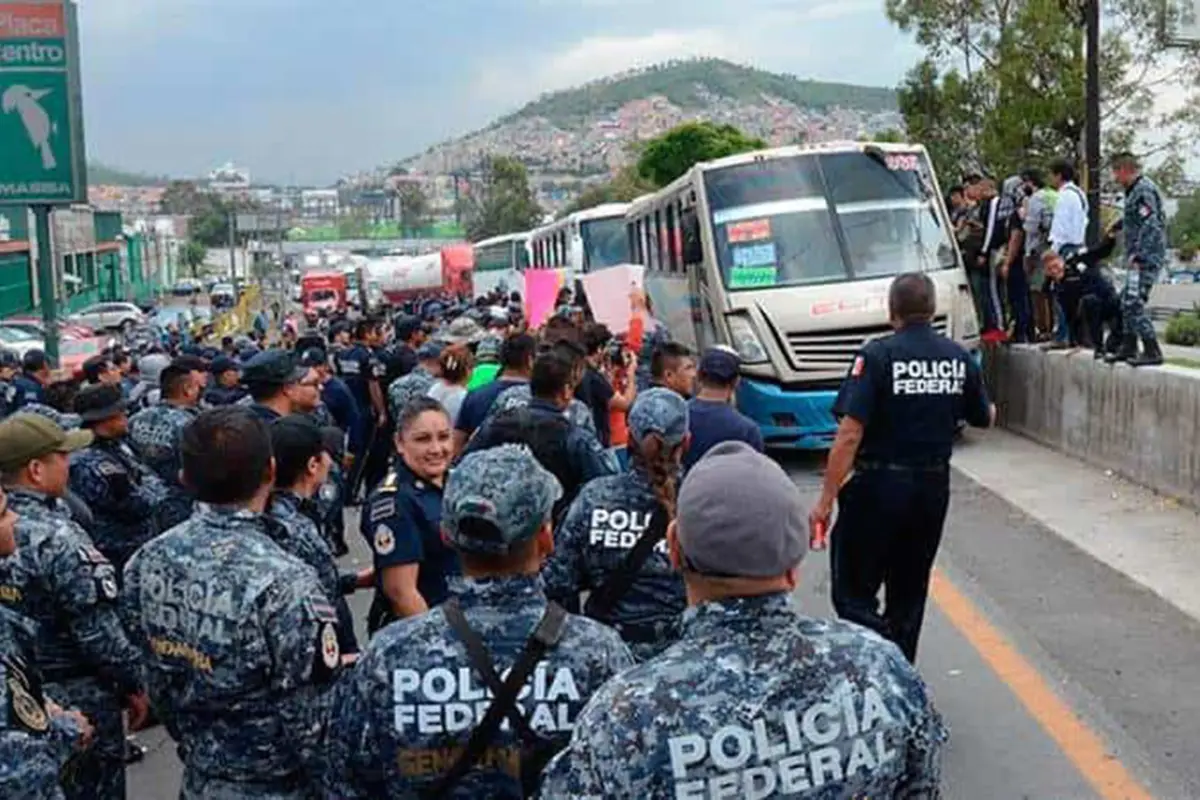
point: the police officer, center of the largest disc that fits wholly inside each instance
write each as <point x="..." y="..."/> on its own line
<point x="754" y="700"/>
<point x="1145" y="250"/>
<point x="155" y="433"/>
<point x="416" y="383"/>
<point x="576" y="411"/>
<point x="34" y="378"/>
<point x="302" y="463"/>
<point x="889" y="467"/>
<point x="146" y="391"/>
<point x="62" y="582"/>
<point x="279" y="386"/>
<point x="572" y="455"/>
<point x="239" y="639"/>
<point x="401" y="520"/>
<point x="226" y="388"/>
<point x="362" y="371"/>
<point x="613" y="539"/>
<point x="419" y="689"/>
<point x="123" y="494"/>
<point x="8" y="392"/>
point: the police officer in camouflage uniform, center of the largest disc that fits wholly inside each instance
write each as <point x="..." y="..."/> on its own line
<point x="303" y="459"/>
<point x="414" y="696"/>
<point x="155" y="433"/>
<point x="36" y="736"/>
<point x="239" y="638"/>
<point x="611" y="516"/>
<point x="1146" y="251"/>
<point x="226" y="388"/>
<point x="123" y="494"/>
<point x="416" y="383"/>
<point x="61" y="581"/>
<point x="755" y="700"/>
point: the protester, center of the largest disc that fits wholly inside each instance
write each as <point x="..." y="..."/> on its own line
<point x="712" y="418"/>
<point x="450" y="386"/>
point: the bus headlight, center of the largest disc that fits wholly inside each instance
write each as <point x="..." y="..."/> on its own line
<point x="745" y="340"/>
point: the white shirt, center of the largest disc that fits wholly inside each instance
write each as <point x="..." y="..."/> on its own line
<point x="1070" y="217"/>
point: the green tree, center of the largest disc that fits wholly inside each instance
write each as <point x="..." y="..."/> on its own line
<point x="1184" y="230"/>
<point x="503" y="203"/>
<point x="1002" y="84"/>
<point x="184" y="198"/>
<point x="889" y="136"/>
<point x="192" y="256"/>
<point x="665" y="158"/>
<point x="414" y="207"/>
<point x="627" y="185"/>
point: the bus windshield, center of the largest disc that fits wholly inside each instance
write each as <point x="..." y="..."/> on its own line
<point x="605" y="243"/>
<point x="774" y="220"/>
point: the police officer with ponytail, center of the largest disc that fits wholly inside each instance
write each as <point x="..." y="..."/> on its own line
<point x="889" y="467"/>
<point x="612" y="541"/>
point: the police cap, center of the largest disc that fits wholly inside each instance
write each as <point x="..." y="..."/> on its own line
<point x="100" y="402"/>
<point x="659" y="411"/>
<point x="25" y="436"/>
<point x="273" y="368"/>
<point x="504" y="487"/>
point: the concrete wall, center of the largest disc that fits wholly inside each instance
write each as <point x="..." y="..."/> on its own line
<point x="1143" y="424"/>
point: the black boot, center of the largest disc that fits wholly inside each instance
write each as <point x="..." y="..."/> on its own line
<point x="1125" y="352"/>
<point x="1151" y="354"/>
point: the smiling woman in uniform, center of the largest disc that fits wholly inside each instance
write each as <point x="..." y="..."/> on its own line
<point x="402" y="518"/>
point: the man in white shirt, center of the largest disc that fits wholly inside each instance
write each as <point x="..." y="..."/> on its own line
<point x="1068" y="232"/>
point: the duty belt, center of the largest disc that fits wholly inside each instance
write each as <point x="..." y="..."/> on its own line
<point x="938" y="465"/>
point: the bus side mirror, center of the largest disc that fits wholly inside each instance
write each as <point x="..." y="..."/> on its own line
<point x="693" y="249"/>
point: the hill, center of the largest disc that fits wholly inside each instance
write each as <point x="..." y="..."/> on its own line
<point x="691" y="84"/>
<point x="588" y="132"/>
<point x="103" y="175"/>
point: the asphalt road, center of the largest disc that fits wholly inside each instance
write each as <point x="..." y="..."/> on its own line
<point x="1059" y="678"/>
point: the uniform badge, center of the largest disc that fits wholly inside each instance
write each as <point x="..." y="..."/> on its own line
<point x="330" y="652"/>
<point x="108" y="587"/>
<point x="1145" y="210"/>
<point x="29" y="712"/>
<point x="385" y="542"/>
<point x="859" y="365"/>
<point x="328" y="492"/>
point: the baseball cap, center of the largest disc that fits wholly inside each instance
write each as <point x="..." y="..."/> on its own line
<point x="25" y="436"/>
<point x="660" y="411"/>
<point x="488" y="349"/>
<point x="429" y="351"/>
<point x="9" y="359"/>
<point x="405" y="326"/>
<point x="222" y="364"/>
<point x="99" y="402"/>
<point x="716" y="534"/>
<point x="313" y="357"/>
<point x="272" y="368"/>
<point x="503" y="486"/>
<point x="719" y="364"/>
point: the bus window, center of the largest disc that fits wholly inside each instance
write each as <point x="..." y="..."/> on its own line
<point x="604" y="243"/>
<point x="669" y="239"/>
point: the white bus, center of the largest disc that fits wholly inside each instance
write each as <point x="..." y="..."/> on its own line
<point x="500" y="263"/>
<point x="583" y="241"/>
<point x="786" y="255"/>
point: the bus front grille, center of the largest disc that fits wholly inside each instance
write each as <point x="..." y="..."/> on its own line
<point x="814" y="352"/>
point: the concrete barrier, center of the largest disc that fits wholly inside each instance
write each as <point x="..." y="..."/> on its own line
<point x="1144" y="424"/>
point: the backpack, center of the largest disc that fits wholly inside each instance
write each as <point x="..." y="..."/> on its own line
<point x="545" y="435"/>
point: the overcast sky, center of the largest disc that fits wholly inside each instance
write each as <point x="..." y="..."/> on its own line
<point x="305" y="91"/>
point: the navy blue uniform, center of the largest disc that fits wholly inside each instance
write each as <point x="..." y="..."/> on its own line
<point x="909" y="391"/>
<point x="359" y="368"/>
<point x="401" y="521"/>
<point x="28" y="391"/>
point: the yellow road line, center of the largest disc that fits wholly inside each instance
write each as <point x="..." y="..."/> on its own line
<point x="1078" y="742"/>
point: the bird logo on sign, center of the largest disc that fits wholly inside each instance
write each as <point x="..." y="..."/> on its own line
<point x="26" y="103"/>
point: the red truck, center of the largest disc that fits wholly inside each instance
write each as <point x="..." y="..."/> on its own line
<point x="323" y="291"/>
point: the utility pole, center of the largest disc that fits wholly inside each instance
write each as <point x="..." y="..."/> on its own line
<point x="1091" y="133"/>
<point x="232" y="247"/>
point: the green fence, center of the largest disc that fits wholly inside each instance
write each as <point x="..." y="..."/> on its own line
<point x="16" y="293"/>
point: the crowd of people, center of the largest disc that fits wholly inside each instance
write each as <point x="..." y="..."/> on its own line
<point x="581" y="570"/>
<point x="1035" y="277"/>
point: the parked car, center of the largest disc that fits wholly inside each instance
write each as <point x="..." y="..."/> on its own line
<point x="74" y="352"/>
<point x="19" y="341"/>
<point x="35" y="326"/>
<point x="181" y="318"/>
<point x="187" y="287"/>
<point x="223" y="296"/>
<point x="109" y="316"/>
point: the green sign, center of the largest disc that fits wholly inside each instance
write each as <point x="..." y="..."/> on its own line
<point x="752" y="277"/>
<point x="41" y="135"/>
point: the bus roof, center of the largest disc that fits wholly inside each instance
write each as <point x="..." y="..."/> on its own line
<point x="788" y="151"/>
<point x="602" y="211"/>
<point x="508" y="237"/>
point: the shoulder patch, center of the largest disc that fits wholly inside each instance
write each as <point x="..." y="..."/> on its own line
<point x="1145" y="210"/>
<point x="860" y="364"/>
<point x="106" y="583"/>
<point x="382" y="509"/>
<point x="389" y="483"/>
<point x="331" y="653"/>
<point x="320" y="609"/>
<point x="28" y="711"/>
<point x="109" y="468"/>
<point x="384" y="540"/>
<point x="89" y="554"/>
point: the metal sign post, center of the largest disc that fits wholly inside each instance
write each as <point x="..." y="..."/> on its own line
<point x="41" y="127"/>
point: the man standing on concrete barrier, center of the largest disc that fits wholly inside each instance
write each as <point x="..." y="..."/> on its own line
<point x="889" y="467"/>
<point x="1145" y="251"/>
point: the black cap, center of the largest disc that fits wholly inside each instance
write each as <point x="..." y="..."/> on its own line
<point x="100" y="402"/>
<point x="719" y="364"/>
<point x="313" y="357"/>
<point x="222" y="364"/>
<point x="405" y="325"/>
<point x="272" y="368"/>
<point x="9" y="359"/>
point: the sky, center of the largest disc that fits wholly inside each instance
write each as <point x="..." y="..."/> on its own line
<point x="299" y="91"/>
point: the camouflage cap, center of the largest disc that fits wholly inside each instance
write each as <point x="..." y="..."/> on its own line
<point x="488" y="349"/>
<point x="504" y="486"/>
<point x="24" y="437"/>
<point x="660" y="411"/>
